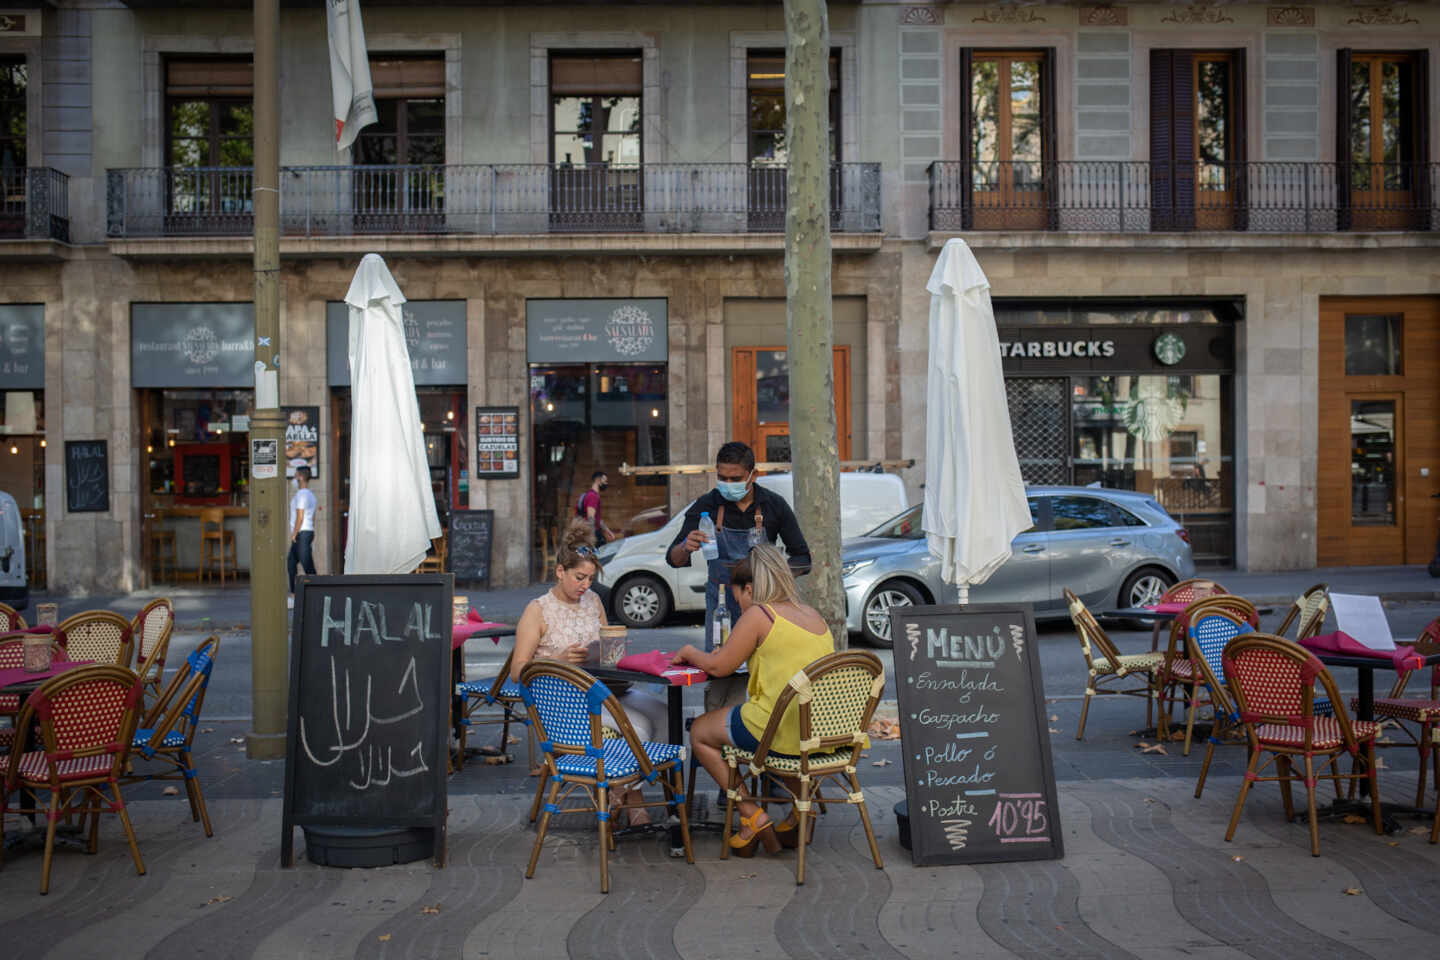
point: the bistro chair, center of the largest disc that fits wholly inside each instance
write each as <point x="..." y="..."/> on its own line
<point x="167" y="731"/>
<point x="98" y="635"/>
<point x="152" y="627"/>
<point x="12" y="655"/>
<point x="835" y="697"/>
<point x="10" y="619"/>
<point x="1205" y="643"/>
<point x="497" y="691"/>
<point x="87" y="718"/>
<point x="1424" y="713"/>
<point x="1308" y="611"/>
<point x="565" y="706"/>
<point x="1188" y="591"/>
<point x="1178" y="673"/>
<point x="217" y="544"/>
<point x="1108" y="665"/>
<point x="1273" y="683"/>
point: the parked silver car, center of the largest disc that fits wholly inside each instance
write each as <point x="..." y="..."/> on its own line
<point x="1111" y="547"/>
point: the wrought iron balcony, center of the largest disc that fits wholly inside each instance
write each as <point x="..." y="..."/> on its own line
<point x="511" y="199"/>
<point x="34" y="204"/>
<point x="1138" y="197"/>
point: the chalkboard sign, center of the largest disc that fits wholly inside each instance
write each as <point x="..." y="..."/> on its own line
<point x="979" y="780"/>
<point x="87" y="476"/>
<point x="471" y="533"/>
<point x="369" y="717"/>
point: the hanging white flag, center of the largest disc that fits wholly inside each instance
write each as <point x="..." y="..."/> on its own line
<point x="350" y="88"/>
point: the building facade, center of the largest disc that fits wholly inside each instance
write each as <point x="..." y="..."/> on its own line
<point x="1210" y="230"/>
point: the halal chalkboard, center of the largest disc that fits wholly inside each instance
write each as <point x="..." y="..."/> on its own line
<point x="468" y="553"/>
<point x="87" y="476"/>
<point x="979" y="780"/>
<point x="369" y="717"/>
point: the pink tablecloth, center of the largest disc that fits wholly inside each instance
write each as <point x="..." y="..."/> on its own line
<point x="1173" y="606"/>
<point x="460" y="634"/>
<point x="657" y="664"/>
<point x="21" y="675"/>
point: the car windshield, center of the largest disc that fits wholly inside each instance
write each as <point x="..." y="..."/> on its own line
<point x="905" y="526"/>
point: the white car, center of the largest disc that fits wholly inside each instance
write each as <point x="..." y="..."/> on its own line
<point x="644" y="589"/>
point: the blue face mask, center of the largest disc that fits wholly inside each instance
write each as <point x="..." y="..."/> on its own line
<point x="732" y="490"/>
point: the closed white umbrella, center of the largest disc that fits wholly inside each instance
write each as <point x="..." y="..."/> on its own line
<point x="392" y="509"/>
<point x="350" y="89"/>
<point x="974" y="497"/>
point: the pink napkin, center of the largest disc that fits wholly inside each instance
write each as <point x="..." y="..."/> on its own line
<point x="1170" y="606"/>
<point x="1342" y="644"/>
<point x="657" y="664"/>
<point x="460" y="634"/>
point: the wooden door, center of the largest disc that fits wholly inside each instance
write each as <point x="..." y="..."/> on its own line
<point x="1009" y="100"/>
<point x="1383" y="139"/>
<point x="760" y="400"/>
<point x="1379" y="430"/>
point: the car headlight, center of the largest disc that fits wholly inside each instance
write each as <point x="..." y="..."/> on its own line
<point x="850" y="566"/>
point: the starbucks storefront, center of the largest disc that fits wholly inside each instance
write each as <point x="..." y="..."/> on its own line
<point x="1130" y="394"/>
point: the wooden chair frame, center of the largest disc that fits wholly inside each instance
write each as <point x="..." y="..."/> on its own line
<point x="1309" y="672"/>
<point x="1116" y="666"/>
<point x="74" y="634"/>
<point x="1400" y="710"/>
<point x="1309" y="609"/>
<point x="63" y="790"/>
<point x="1225" y="717"/>
<point x="10" y="619"/>
<point x="595" y="790"/>
<point x="177" y="711"/>
<point x="152" y="643"/>
<point x="815" y="769"/>
<point x="1179" y="668"/>
<point x="512" y="710"/>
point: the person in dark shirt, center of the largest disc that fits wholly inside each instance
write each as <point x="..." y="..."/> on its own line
<point x="744" y="514"/>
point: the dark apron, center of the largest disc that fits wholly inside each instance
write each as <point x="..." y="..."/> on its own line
<point x="733" y="546"/>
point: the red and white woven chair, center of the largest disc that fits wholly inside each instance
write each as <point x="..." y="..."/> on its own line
<point x="1423" y="712"/>
<point x="97" y="635"/>
<point x="12" y="655"/>
<point x="10" y="619"/>
<point x="151" y="630"/>
<point x="87" y="719"/>
<point x="1273" y="682"/>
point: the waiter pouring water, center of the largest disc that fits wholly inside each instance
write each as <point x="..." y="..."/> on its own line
<point x="741" y="514"/>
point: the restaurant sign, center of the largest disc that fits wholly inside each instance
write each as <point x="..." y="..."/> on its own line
<point x="434" y="335"/>
<point x="1138" y="348"/>
<point x="192" y="345"/>
<point x="597" y="331"/>
<point x="22" y="346"/>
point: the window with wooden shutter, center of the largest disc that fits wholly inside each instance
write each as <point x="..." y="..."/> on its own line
<point x="1382" y="139"/>
<point x="1197" y="139"/>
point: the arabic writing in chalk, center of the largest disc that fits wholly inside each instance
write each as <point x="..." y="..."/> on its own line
<point x="360" y="734"/>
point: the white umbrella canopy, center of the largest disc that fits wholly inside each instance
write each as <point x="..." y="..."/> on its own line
<point x="392" y="509"/>
<point x="974" y="497"/>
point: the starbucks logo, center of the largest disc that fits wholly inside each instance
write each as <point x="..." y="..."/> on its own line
<point x="631" y="331"/>
<point x="1169" y="349"/>
<point x="200" y="345"/>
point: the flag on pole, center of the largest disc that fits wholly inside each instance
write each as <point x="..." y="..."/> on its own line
<point x="350" y="88"/>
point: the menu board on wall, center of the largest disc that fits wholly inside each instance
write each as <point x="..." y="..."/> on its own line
<point x="205" y="345"/>
<point x="302" y="439"/>
<point x="979" y="779"/>
<point x="434" y="336"/>
<point x="22" y="347"/>
<point x="597" y="331"/>
<point x="497" y="442"/>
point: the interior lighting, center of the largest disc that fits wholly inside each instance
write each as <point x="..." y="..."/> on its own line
<point x="14" y="448"/>
<point x="42" y="442"/>
<point x="172" y="441"/>
<point x="654" y="411"/>
<point x="549" y="408"/>
<point x="149" y="448"/>
<point x="449" y="414"/>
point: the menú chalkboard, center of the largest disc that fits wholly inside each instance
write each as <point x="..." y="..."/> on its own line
<point x="369" y="718"/>
<point x="87" y="476"/>
<point x="468" y="555"/>
<point x="978" y="774"/>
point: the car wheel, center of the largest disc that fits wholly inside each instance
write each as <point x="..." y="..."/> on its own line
<point x="1144" y="587"/>
<point x="875" y="621"/>
<point x="641" y="601"/>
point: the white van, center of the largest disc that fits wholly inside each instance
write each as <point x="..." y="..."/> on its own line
<point x="14" y="586"/>
<point x="644" y="589"/>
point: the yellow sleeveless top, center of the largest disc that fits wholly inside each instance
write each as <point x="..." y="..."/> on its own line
<point x="788" y="648"/>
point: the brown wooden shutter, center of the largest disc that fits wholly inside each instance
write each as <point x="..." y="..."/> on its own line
<point x="742" y="396"/>
<point x="1421" y="138"/>
<point x="1049" y="168"/>
<point x="1239" y="173"/>
<point x="585" y="75"/>
<point x="395" y="78"/>
<point x="1172" y="140"/>
<point x="197" y="79"/>
<point x="1342" y="139"/>
<point x="967" y="158"/>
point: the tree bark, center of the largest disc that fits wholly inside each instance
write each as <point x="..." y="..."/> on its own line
<point x="814" y="447"/>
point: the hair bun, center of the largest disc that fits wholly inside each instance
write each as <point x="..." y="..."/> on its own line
<point x="579" y="532"/>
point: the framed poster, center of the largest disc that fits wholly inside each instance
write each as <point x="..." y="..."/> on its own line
<point x="497" y="443"/>
<point x="302" y="440"/>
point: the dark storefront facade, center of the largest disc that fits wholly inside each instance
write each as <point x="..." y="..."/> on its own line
<point x="1129" y="394"/>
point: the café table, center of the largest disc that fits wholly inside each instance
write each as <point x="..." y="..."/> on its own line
<point x="1158" y="616"/>
<point x="459" y="634"/>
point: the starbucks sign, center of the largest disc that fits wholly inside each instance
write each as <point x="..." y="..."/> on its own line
<point x="1169" y="348"/>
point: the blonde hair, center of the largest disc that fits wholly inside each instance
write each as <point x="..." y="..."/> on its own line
<point x="577" y="545"/>
<point x="765" y="569"/>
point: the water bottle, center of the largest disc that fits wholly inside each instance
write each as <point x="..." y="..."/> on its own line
<point x="722" y="624"/>
<point x="710" y="550"/>
<point x="756" y="536"/>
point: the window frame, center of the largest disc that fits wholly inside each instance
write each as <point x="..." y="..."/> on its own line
<point x="836" y="118"/>
<point x="598" y="134"/>
<point x="22" y="105"/>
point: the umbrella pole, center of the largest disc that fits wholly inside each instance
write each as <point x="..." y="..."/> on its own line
<point x="962" y="593"/>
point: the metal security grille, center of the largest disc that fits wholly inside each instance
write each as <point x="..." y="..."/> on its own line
<point x="1039" y="416"/>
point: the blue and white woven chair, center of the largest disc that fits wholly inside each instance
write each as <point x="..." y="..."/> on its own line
<point x="167" y="731"/>
<point x="565" y="706"/>
<point x="1205" y="641"/>
<point x="487" y="693"/>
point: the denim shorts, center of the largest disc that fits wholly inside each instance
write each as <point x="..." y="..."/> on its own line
<point x="741" y="736"/>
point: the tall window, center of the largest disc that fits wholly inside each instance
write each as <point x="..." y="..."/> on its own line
<point x="596" y="143"/>
<point x="14" y="83"/>
<point x="1383" y="138"/>
<point x="1008" y="130"/>
<point x="1197" y="139"/>
<point x="211" y="118"/>
<point x="410" y="101"/>
<point x="765" y="86"/>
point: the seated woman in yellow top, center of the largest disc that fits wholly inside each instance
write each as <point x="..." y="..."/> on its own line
<point x="777" y="635"/>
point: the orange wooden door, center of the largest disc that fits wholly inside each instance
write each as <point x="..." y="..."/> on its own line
<point x="760" y="400"/>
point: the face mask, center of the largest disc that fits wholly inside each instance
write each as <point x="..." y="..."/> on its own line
<point x="732" y="490"/>
<point x="604" y="486"/>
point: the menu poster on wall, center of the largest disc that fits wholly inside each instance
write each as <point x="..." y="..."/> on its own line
<point x="497" y="443"/>
<point x="302" y="439"/>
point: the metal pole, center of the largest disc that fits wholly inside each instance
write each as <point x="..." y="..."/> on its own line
<point x="268" y="528"/>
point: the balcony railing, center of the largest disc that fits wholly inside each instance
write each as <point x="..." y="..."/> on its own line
<point x="34" y="204"/>
<point x="518" y="199"/>
<point x="1138" y="197"/>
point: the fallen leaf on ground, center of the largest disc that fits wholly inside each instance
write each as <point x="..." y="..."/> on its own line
<point x="748" y="876"/>
<point x="495" y="761"/>
<point x="1155" y="748"/>
<point x="1394" y="843"/>
<point x="884" y="729"/>
<point x="1054" y="730"/>
<point x="1353" y="891"/>
<point x="1237" y="858"/>
<point x="1354" y="818"/>
<point x="434" y="909"/>
<point x="218" y="900"/>
<point x="237" y="739"/>
<point x="207" y="729"/>
<point x="383" y="937"/>
<point x="1151" y="800"/>
<point x="1054" y="717"/>
<point x="1177" y="735"/>
<point x="1420" y="831"/>
<point x="171" y="791"/>
<point x="1143" y="745"/>
<point x="880" y="763"/>
<point x="510" y="740"/>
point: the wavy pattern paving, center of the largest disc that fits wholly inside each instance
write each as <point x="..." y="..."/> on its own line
<point x="1031" y="908"/>
<point x="648" y="891"/>
<point x="1228" y="900"/>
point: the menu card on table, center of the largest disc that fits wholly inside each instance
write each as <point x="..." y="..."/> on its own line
<point x="1363" y="618"/>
